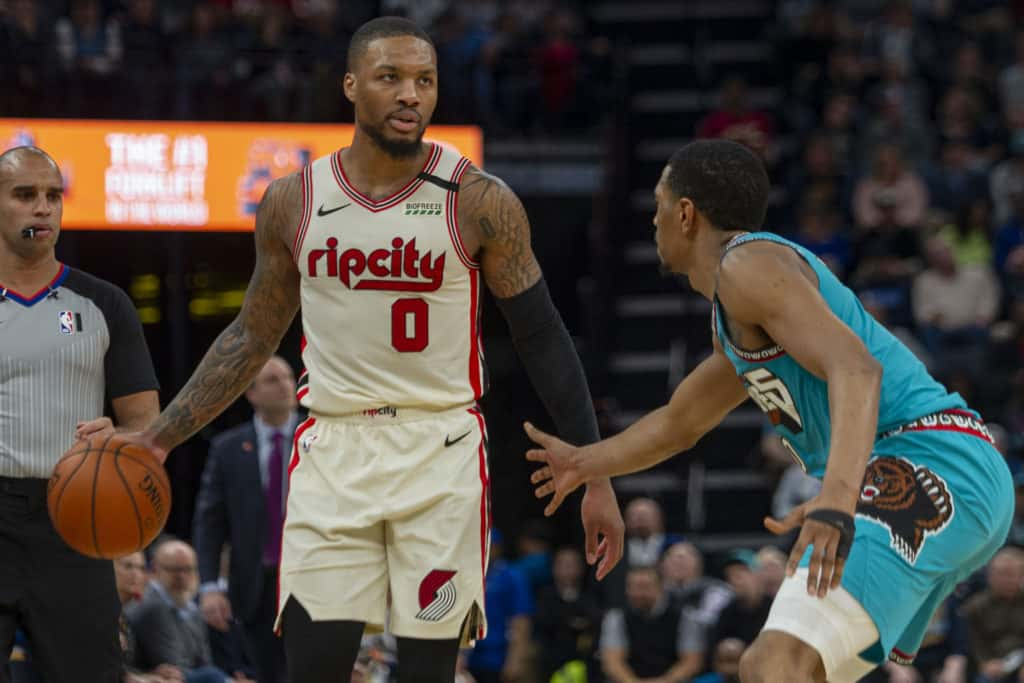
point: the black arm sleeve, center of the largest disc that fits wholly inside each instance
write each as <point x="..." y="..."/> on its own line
<point x="547" y="352"/>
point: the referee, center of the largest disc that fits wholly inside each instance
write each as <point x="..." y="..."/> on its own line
<point x="69" y="343"/>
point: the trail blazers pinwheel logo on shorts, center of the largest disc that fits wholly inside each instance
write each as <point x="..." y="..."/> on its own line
<point x="437" y="595"/>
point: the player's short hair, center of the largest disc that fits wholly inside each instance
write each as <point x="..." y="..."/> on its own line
<point x="381" y="27"/>
<point x="724" y="180"/>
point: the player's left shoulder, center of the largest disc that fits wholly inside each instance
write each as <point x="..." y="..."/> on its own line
<point x="479" y="190"/>
<point x="758" y="272"/>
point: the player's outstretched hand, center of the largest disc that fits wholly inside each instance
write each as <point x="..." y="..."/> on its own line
<point x="830" y="547"/>
<point x="559" y="475"/>
<point x="603" y="526"/>
<point x="101" y="427"/>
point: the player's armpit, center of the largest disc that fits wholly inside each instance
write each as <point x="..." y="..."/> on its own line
<point x="239" y="352"/>
<point x="493" y="215"/>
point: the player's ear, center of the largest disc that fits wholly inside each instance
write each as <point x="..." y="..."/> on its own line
<point x="348" y="84"/>
<point x="687" y="214"/>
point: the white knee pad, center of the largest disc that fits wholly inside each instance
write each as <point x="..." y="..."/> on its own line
<point x="836" y="626"/>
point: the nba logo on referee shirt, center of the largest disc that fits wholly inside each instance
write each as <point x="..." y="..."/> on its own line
<point x="437" y="595"/>
<point x="70" y="322"/>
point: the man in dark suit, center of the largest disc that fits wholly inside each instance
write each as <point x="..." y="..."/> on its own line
<point x="241" y="503"/>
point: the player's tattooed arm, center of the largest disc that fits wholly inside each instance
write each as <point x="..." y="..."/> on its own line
<point x="237" y="355"/>
<point x="496" y="221"/>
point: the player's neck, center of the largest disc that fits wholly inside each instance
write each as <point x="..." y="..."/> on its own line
<point x="708" y="252"/>
<point x="376" y="173"/>
<point x="27" y="275"/>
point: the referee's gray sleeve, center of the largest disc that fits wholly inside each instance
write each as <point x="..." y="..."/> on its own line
<point x="613" y="631"/>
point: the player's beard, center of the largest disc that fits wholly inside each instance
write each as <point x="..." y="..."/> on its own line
<point x="396" y="149"/>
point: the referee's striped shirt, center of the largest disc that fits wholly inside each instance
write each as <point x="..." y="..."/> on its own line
<point x="65" y="351"/>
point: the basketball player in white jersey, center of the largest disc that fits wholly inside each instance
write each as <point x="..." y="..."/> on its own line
<point x="384" y="245"/>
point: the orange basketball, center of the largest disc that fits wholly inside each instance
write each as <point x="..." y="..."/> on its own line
<point x="108" y="498"/>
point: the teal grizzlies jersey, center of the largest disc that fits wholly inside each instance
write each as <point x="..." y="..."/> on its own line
<point x="796" y="401"/>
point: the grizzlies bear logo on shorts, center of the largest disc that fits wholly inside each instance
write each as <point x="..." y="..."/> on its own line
<point x="912" y="501"/>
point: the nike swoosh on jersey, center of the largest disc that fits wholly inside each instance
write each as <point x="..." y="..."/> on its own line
<point x="451" y="442"/>
<point x="321" y="212"/>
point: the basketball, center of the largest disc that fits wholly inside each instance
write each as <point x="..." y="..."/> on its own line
<point x="108" y="497"/>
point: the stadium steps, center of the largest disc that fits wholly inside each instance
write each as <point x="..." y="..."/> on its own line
<point x="677" y="54"/>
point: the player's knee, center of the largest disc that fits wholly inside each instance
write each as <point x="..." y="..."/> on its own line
<point x="773" y="662"/>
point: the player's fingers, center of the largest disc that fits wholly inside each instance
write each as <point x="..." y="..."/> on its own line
<point x="536" y="435"/>
<point x="837" y="573"/>
<point x="537" y="455"/>
<point x="543" y="474"/>
<point x="613" y="553"/>
<point x="795" y="554"/>
<point x="828" y="563"/>
<point x="791" y="521"/>
<point x="553" y="505"/>
<point x="814" y="567"/>
<point x="544" y="489"/>
<point x="591" y="544"/>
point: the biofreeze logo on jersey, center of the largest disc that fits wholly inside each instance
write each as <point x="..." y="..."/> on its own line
<point x="422" y="209"/>
<point x="400" y="268"/>
<point x="773" y="398"/>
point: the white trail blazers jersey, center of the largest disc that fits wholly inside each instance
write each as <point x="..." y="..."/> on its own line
<point x="390" y="298"/>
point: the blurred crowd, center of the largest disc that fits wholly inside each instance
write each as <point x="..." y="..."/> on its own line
<point x="524" y="67"/>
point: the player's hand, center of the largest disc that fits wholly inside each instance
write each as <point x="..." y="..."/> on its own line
<point x="826" y="567"/>
<point x="146" y="441"/>
<point x="216" y="610"/>
<point x="101" y="427"/>
<point x="603" y="526"/>
<point x="559" y="476"/>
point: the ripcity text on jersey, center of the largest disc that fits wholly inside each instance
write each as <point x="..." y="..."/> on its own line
<point x="390" y="298"/>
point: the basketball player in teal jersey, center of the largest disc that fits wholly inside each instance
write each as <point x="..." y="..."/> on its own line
<point x="914" y="497"/>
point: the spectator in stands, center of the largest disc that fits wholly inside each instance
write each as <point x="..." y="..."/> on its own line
<point x="819" y="230"/>
<point x="898" y="116"/>
<point x="701" y="597"/>
<point x="820" y="175"/>
<point x="560" y="61"/>
<point x="892" y="195"/>
<point x="275" y="88"/>
<point x="507" y="57"/>
<point x="735" y="119"/>
<point x="648" y="638"/>
<point x="960" y="117"/>
<point x="503" y="655"/>
<point x="1017" y="529"/>
<point x="534" y="560"/>
<point x="646" y="540"/>
<point x="953" y="305"/>
<point x="771" y="568"/>
<point x="167" y="624"/>
<point x="568" y="618"/>
<point x="725" y="665"/>
<point x="995" y="619"/>
<point x="26" y="60"/>
<point x="744" y="616"/>
<point x="145" y="82"/>
<point x="969" y="235"/>
<point x="1006" y="182"/>
<point x="838" y="120"/>
<point x="955" y="181"/>
<point x="204" y="62"/>
<point x="130" y="576"/>
<point x="1011" y="80"/>
<point x="90" y="52"/>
